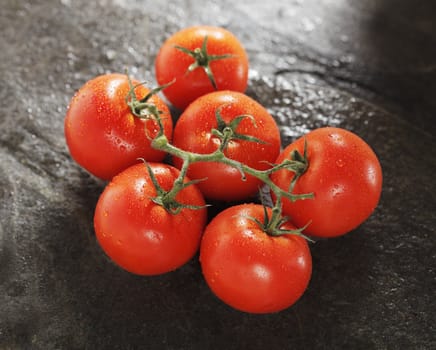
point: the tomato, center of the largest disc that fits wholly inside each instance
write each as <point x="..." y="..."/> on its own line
<point x="343" y="173"/>
<point x="141" y="236"/>
<point x="223" y="57"/>
<point x="193" y="133"/>
<point x="249" y="269"/>
<point x="103" y="135"/>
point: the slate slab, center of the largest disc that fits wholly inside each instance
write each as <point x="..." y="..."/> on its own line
<point x="369" y="66"/>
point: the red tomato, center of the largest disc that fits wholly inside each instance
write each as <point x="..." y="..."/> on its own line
<point x="344" y="175"/>
<point x="249" y="269"/>
<point x="103" y="135"/>
<point x="229" y="73"/>
<point x="193" y="132"/>
<point x="141" y="236"/>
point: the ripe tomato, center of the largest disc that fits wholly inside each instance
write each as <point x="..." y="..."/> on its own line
<point x="344" y="175"/>
<point x="223" y="57"/>
<point x="103" y="135"/>
<point x="249" y="269"/>
<point x="193" y="132"/>
<point x="141" y="236"/>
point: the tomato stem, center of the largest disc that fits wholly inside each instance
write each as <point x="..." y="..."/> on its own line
<point x="167" y="199"/>
<point x="300" y="164"/>
<point x="143" y="108"/>
<point x="202" y="60"/>
<point x="297" y="163"/>
<point x="161" y="143"/>
<point x="273" y="225"/>
<point x="227" y="131"/>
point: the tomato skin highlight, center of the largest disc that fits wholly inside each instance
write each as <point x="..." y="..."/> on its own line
<point x="250" y="270"/>
<point x="230" y="73"/>
<point x="103" y="135"/>
<point x="192" y="133"/>
<point x="345" y="177"/>
<point x="141" y="236"/>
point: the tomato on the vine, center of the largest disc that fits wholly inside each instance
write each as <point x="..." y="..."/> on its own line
<point x="199" y="60"/>
<point x="249" y="269"/>
<point x="102" y="133"/>
<point x="196" y="131"/>
<point x="139" y="234"/>
<point x="344" y="175"/>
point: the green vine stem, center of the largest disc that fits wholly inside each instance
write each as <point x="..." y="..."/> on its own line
<point x="272" y="224"/>
<point x="161" y="143"/>
<point x="226" y="132"/>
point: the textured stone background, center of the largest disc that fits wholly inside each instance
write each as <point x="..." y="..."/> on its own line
<point x="369" y="66"/>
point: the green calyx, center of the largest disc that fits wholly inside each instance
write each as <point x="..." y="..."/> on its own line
<point x="227" y="131"/>
<point x="167" y="199"/>
<point x="202" y="60"/>
<point x="144" y="108"/>
<point x="300" y="164"/>
<point x="272" y="224"/>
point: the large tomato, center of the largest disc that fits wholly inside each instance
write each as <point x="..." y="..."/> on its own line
<point x="249" y="269"/>
<point x="141" y="236"/>
<point x="343" y="173"/>
<point x="193" y="132"/>
<point x="103" y="135"/>
<point x="201" y="59"/>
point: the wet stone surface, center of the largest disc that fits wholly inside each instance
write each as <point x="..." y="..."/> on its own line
<point x="367" y="66"/>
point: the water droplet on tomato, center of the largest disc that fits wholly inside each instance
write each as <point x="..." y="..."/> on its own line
<point x="340" y="163"/>
<point x="337" y="190"/>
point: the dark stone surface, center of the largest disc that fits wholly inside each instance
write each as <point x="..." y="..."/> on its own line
<point x="369" y="66"/>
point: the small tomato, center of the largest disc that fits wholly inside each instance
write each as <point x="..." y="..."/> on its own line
<point x="194" y="133"/>
<point x="103" y="135"/>
<point x="249" y="269"/>
<point x="201" y="59"/>
<point x="141" y="236"/>
<point x="344" y="175"/>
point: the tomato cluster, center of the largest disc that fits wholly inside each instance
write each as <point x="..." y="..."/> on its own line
<point x="152" y="216"/>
